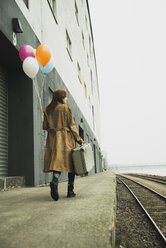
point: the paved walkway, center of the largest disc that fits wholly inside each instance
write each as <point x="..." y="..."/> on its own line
<point x="29" y="218"/>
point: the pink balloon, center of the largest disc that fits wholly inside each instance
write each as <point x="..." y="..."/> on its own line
<point x="26" y="51"/>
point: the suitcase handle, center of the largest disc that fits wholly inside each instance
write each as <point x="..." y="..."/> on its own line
<point x="84" y="146"/>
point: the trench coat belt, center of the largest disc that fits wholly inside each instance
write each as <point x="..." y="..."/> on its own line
<point x="59" y="129"/>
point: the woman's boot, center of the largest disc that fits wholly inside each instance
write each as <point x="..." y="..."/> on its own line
<point x="54" y="186"/>
<point x="70" y="192"/>
<point x="54" y="189"/>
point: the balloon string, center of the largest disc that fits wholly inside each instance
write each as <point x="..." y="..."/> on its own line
<point x="42" y="86"/>
<point x="37" y="92"/>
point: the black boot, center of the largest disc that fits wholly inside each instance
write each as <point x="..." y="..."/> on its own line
<point x="54" y="189"/>
<point x="70" y="192"/>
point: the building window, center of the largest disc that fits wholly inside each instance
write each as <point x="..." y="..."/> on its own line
<point x="68" y="45"/>
<point x="91" y="82"/>
<point x="76" y="12"/>
<point x="85" y="89"/>
<point x="87" y="138"/>
<point x="79" y="72"/>
<point x="93" y="116"/>
<point x="89" y="102"/>
<point x="83" y="40"/>
<point x="26" y="3"/>
<point x="86" y="21"/>
<point x="90" y="45"/>
<point x="81" y="78"/>
<point x="53" y="6"/>
<point x="87" y="59"/>
<point x="50" y="95"/>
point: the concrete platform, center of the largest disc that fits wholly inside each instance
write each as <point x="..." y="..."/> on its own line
<point x="29" y="218"/>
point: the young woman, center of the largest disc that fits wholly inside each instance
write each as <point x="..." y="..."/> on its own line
<point x="61" y="139"/>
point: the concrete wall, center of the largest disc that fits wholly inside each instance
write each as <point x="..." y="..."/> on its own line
<point x="26" y="137"/>
<point x="51" y="29"/>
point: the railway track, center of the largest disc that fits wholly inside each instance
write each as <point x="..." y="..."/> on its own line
<point x="150" y="178"/>
<point x="152" y="203"/>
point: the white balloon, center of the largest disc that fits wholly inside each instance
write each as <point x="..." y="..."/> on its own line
<point x="30" y="67"/>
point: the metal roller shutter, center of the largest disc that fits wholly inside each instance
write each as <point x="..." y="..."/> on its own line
<point x="3" y="123"/>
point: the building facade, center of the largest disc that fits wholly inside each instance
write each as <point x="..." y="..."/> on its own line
<point x="65" y="27"/>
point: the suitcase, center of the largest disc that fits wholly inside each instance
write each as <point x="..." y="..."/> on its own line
<point x="83" y="159"/>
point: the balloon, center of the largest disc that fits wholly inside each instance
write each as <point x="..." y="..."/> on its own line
<point x="30" y="67"/>
<point x="43" y="54"/>
<point x="34" y="50"/>
<point x="26" y="51"/>
<point x="47" y="68"/>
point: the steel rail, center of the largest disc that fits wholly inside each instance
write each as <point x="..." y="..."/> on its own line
<point x="158" y="180"/>
<point x="146" y="212"/>
<point x="144" y="186"/>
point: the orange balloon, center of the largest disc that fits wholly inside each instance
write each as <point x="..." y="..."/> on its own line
<point x="43" y="54"/>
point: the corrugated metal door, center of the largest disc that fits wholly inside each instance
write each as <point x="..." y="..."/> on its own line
<point x="3" y="123"/>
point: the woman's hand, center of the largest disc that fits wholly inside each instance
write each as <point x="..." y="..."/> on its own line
<point x="81" y="142"/>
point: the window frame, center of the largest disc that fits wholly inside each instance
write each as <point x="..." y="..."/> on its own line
<point x="79" y="72"/>
<point x="76" y="12"/>
<point x="69" y="45"/>
<point x="83" y="40"/>
<point x="91" y="76"/>
<point x="26" y="2"/>
<point x="53" y="9"/>
<point x="90" y="46"/>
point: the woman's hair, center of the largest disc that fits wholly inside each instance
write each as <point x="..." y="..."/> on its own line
<point x="58" y="96"/>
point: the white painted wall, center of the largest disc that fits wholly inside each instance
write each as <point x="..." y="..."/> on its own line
<point x="52" y="33"/>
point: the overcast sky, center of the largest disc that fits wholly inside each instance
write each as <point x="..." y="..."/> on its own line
<point x="130" y="46"/>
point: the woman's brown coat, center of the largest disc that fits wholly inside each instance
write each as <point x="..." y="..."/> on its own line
<point x="61" y="139"/>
